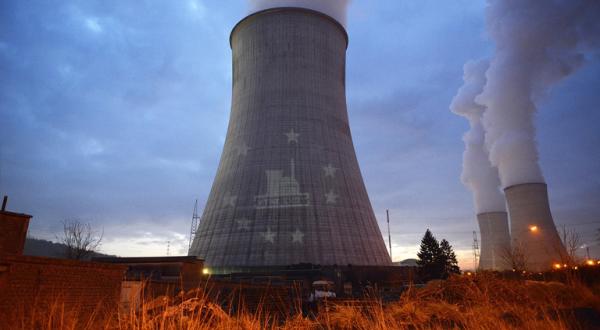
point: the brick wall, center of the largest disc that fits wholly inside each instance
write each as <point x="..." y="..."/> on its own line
<point x="34" y="284"/>
<point x="13" y="230"/>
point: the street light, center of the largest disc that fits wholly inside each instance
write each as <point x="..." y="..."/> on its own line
<point x="533" y="228"/>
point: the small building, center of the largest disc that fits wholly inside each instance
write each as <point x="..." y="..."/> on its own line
<point x="13" y="231"/>
<point x="150" y="277"/>
<point x="176" y="269"/>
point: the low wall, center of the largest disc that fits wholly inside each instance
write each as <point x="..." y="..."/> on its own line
<point x="37" y="284"/>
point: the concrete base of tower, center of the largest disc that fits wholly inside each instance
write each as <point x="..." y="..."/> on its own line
<point x="533" y="232"/>
<point x="495" y="241"/>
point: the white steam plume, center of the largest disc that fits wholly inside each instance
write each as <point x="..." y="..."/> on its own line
<point x="334" y="8"/>
<point x="478" y="173"/>
<point x="538" y="42"/>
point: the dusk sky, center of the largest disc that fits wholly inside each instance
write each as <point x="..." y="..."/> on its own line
<point x="115" y="113"/>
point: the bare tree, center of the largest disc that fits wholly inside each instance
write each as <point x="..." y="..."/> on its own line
<point x="515" y="257"/>
<point x="572" y="241"/>
<point x="80" y="240"/>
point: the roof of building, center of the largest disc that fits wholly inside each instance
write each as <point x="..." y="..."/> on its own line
<point x="14" y="214"/>
<point x="147" y="260"/>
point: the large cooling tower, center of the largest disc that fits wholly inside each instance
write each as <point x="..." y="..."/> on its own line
<point x="531" y="225"/>
<point x="288" y="188"/>
<point x="495" y="240"/>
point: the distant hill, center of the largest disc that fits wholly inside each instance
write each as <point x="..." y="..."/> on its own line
<point x="43" y="248"/>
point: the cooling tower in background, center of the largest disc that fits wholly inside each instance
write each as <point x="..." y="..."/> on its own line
<point x="495" y="240"/>
<point x="531" y="226"/>
<point x="288" y="188"/>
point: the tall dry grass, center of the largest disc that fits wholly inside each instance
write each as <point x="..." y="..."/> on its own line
<point x="478" y="302"/>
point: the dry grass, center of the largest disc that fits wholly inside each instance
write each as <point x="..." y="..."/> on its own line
<point x="479" y="302"/>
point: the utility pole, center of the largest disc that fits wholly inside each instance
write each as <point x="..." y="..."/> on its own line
<point x="475" y="251"/>
<point x="194" y="226"/>
<point x="387" y="213"/>
<point x="168" y="248"/>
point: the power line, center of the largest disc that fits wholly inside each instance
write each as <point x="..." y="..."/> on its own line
<point x="469" y="231"/>
<point x="461" y="218"/>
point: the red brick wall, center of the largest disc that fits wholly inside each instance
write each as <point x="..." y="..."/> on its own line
<point x="33" y="284"/>
<point x="191" y="272"/>
<point x="13" y="230"/>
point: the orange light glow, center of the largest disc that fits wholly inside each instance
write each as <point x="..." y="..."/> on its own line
<point x="533" y="228"/>
<point x="557" y="266"/>
<point x="590" y="262"/>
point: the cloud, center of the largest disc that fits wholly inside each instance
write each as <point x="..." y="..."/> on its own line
<point x="122" y="126"/>
<point x="93" y="25"/>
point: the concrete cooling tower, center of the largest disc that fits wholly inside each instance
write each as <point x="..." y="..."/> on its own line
<point x="495" y="240"/>
<point x="531" y="225"/>
<point x="288" y="188"/>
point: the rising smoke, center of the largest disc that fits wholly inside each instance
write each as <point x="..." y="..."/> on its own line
<point x="334" y="8"/>
<point x="478" y="173"/>
<point x="538" y="43"/>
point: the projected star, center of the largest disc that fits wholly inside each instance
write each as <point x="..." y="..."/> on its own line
<point x="269" y="235"/>
<point x="243" y="224"/>
<point x="292" y="136"/>
<point x="243" y="149"/>
<point x="230" y="200"/>
<point x="329" y="170"/>
<point x="331" y="197"/>
<point x="298" y="236"/>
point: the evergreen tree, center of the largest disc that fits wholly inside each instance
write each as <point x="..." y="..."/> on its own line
<point x="430" y="257"/>
<point x="449" y="257"/>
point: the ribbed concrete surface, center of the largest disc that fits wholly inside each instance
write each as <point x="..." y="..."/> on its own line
<point x="288" y="188"/>
<point x="528" y="206"/>
<point x="495" y="240"/>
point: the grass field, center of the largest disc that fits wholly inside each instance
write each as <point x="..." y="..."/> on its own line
<point x="482" y="301"/>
